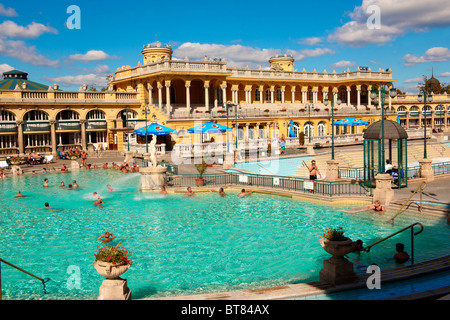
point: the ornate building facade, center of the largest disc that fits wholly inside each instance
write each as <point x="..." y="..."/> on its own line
<point x="183" y="93"/>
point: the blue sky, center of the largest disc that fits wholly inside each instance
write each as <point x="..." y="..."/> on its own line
<point x="411" y="38"/>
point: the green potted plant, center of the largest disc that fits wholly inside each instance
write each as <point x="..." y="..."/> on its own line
<point x="335" y="243"/>
<point x="15" y="160"/>
<point x="201" y="168"/>
<point x="112" y="261"/>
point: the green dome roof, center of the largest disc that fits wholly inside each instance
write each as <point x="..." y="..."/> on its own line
<point x="14" y="78"/>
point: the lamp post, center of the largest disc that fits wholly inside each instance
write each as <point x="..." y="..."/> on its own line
<point x="309" y="121"/>
<point x="146" y="111"/>
<point x="128" y="133"/>
<point x="227" y="106"/>
<point x="338" y="101"/>
<point x="373" y="96"/>
<point x="422" y="97"/>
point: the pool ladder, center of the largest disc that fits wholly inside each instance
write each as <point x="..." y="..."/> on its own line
<point x="421" y="187"/>
<point x="367" y="249"/>
<point x="44" y="281"/>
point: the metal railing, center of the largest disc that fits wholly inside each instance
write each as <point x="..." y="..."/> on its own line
<point x="44" y="281"/>
<point x="421" y="187"/>
<point x="367" y="249"/>
<point x="288" y="183"/>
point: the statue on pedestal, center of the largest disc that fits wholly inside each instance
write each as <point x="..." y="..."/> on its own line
<point x="152" y="150"/>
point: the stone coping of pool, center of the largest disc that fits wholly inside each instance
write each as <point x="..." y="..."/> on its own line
<point x="317" y="288"/>
<point x="337" y="199"/>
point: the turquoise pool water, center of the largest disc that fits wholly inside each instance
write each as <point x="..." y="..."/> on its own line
<point x="276" y="166"/>
<point x="180" y="245"/>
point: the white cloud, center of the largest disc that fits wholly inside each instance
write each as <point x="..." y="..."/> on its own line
<point x="311" y="41"/>
<point x="7" y="12"/>
<point x="32" y="31"/>
<point x="436" y="54"/>
<point x="19" y="50"/>
<point x="5" y="68"/>
<point x="240" y="55"/>
<point x="414" y="80"/>
<point x="92" y="55"/>
<point x="343" y="64"/>
<point x="445" y="74"/>
<point x="396" y="19"/>
<point x="89" y="79"/>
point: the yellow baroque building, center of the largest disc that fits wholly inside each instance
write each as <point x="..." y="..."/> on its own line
<point x="182" y="93"/>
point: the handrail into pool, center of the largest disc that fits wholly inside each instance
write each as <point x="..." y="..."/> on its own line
<point x="367" y="249"/>
<point x="20" y="269"/>
<point x="421" y="187"/>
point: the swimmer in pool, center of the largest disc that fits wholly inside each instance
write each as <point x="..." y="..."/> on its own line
<point x="189" y="192"/>
<point x="163" y="190"/>
<point x="110" y="189"/>
<point x="107" y="237"/>
<point x="19" y="195"/>
<point x="221" y="192"/>
<point x="377" y="207"/>
<point x="98" y="202"/>
<point x="244" y="193"/>
<point x="45" y="183"/>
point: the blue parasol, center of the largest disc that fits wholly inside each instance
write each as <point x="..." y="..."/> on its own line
<point x="350" y="122"/>
<point x="209" y="127"/>
<point x="291" y="133"/>
<point x="154" y="129"/>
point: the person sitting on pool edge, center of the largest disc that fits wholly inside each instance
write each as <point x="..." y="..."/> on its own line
<point x="401" y="256"/>
<point x="377" y="206"/>
<point x="244" y="193"/>
<point x="107" y="237"/>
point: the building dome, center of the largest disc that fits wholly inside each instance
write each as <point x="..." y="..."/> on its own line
<point x="433" y="85"/>
<point x="392" y="131"/>
<point x="15" y="78"/>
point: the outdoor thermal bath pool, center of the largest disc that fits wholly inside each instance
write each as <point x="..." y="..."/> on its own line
<point x="180" y="245"/>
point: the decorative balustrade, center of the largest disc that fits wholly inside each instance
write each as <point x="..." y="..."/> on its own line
<point x="69" y="96"/>
<point x="36" y="126"/>
<point x="8" y="126"/>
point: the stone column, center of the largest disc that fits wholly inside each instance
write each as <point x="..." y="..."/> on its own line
<point x="150" y="94"/>
<point x="272" y="98"/>
<point x="358" y="97"/>
<point x="53" y="136"/>
<point x="293" y="95"/>
<point x="261" y="92"/>
<point x="216" y="95"/>
<point x="20" y="138"/>
<point x="83" y="134"/>
<point x="383" y="191"/>
<point x="304" y="96"/>
<point x="426" y="171"/>
<point x="160" y="96"/>
<point x="188" y="97"/>
<point x="282" y="96"/>
<point x="332" y="170"/>
<point x="207" y="96"/>
<point x="169" y="109"/>
<point x="369" y="100"/>
<point x="224" y="95"/>
<point x="348" y="96"/>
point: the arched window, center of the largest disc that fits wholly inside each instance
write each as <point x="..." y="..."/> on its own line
<point x="309" y="129"/>
<point x="321" y="129"/>
<point x="278" y="94"/>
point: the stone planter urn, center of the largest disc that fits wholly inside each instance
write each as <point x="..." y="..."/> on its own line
<point x="109" y="270"/>
<point x="337" y="269"/>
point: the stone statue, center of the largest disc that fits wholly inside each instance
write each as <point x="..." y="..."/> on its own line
<point x="153" y="152"/>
